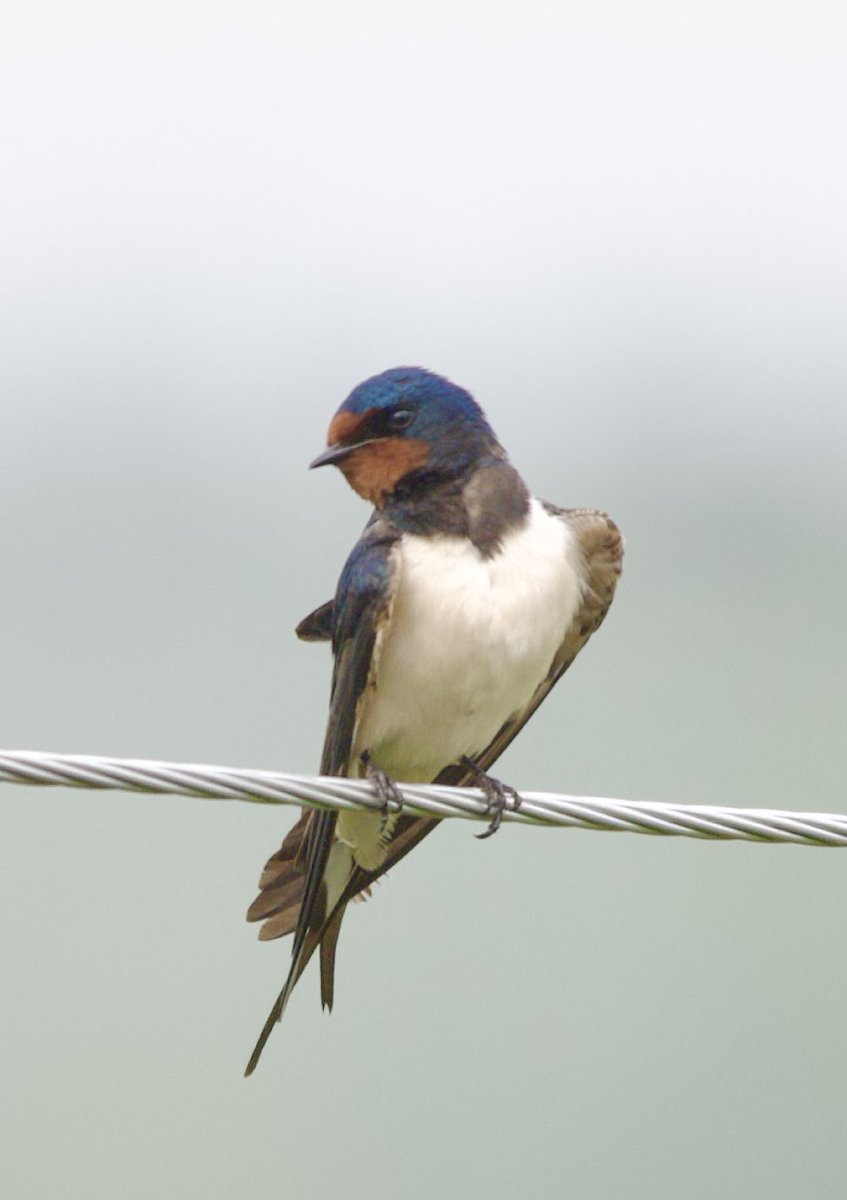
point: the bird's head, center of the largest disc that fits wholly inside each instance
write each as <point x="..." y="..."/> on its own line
<point x="406" y="426"/>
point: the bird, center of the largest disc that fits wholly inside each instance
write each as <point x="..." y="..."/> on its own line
<point x="463" y="602"/>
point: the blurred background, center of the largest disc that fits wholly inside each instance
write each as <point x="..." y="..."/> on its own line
<point x="622" y="228"/>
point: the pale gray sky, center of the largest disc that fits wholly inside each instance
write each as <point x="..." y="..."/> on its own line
<point x="622" y="227"/>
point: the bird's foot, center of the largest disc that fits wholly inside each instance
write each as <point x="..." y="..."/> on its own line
<point x="497" y="794"/>
<point x="385" y="789"/>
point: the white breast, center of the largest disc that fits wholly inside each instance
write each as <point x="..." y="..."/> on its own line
<point x="469" y="640"/>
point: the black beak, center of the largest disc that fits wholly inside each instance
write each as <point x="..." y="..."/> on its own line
<point x="338" y="451"/>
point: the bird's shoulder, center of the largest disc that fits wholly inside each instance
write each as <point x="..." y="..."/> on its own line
<point x="365" y="580"/>
<point x="366" y="576"/>
<point x="598" y="548"/>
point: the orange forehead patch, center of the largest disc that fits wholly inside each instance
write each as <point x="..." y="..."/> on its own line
<point x="344" y="425"/>
<point x="375" y="470"/>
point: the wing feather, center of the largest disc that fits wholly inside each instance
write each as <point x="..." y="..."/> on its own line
<point x="317" y="627"/>
<point x="361" y="604"/>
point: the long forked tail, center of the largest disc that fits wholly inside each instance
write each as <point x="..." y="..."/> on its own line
<point x="311" y="918"/>
<point x="297" y="966"/>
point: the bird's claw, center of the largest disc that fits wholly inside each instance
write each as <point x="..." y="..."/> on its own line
<point x="497" y="796"/>
<point x="385" y="789"/>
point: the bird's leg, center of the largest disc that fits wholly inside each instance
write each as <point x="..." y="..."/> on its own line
<point x="386" y="790"/>
<point x="497" y="794"/>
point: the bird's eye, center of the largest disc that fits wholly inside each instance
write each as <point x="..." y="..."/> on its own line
<point x="401" y="418"/>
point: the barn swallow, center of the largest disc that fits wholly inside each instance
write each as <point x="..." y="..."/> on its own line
<point x="461" y="605"/>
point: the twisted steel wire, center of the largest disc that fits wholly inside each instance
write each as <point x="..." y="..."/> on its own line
<point x="539" y="808"/>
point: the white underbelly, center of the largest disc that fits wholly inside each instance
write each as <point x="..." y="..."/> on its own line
<point x="469" y="641"/>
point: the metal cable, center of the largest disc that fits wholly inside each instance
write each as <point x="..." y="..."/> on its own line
<point x="543" y="808"/>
